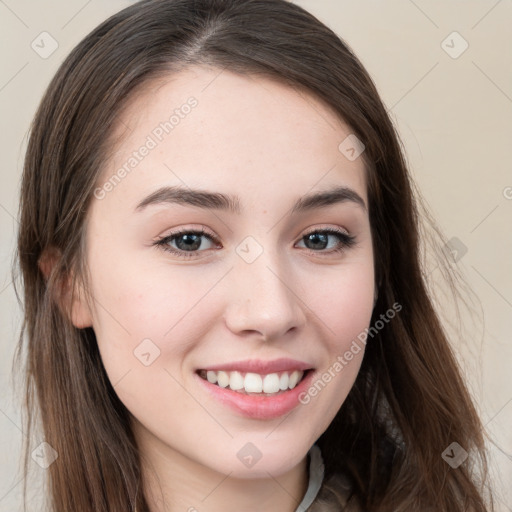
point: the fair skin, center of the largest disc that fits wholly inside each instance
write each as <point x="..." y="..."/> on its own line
<point x="269" y="145"/>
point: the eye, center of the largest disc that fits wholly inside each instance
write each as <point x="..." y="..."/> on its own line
<point x="321" y="239"/>
<point x="184" y="243"/>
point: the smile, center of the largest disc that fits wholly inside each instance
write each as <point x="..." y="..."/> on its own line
<point x="261" y="390"/>
<point x="270" y="384"/>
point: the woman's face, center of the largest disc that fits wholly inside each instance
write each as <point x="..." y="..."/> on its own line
<point x="262" y="297"/>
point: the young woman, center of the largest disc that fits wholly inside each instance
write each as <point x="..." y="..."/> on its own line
<point x="224" y="303"/>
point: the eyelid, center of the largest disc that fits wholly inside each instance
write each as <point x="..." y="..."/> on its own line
<point x="329" y="229"/>
<point x="187" y="230"/>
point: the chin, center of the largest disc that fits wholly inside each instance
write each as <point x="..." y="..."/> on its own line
<point x="260" y="458"/>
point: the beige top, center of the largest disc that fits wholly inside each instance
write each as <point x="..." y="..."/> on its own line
<point x="333" y="497"/>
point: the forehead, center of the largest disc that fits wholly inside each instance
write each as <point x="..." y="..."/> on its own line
<point x="212" y="128"/>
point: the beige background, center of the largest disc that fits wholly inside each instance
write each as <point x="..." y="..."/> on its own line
<point x="453" y="114"/>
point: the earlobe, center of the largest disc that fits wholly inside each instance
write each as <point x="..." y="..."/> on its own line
<point x="75" y="307"/>
<point x="80" y="311"/>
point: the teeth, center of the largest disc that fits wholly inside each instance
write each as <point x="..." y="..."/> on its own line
<point x="253" y="383"/>
<point x="271" y="383"/>
<point x="294" y="378"/>
<point x="223" y="379"/>
<point x="236" y="381"/>
<point x="283" y="381"/>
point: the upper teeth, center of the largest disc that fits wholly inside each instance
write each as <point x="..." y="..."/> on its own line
<point x="253" y="382"/>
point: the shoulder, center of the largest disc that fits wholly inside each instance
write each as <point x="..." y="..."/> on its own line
<point x="335" y="496"/>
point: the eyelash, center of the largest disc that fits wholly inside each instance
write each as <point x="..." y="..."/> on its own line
<point x="346" y="241"/>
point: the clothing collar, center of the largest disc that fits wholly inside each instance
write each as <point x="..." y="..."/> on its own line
<point x="316" y="477"/>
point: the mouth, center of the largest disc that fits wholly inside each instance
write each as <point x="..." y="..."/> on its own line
<point x="257" y="389"/>
<point x="249" y="383"/>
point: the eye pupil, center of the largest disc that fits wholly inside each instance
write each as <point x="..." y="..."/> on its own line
<point x="319" y="240"/>
<point x="192" y="242"/>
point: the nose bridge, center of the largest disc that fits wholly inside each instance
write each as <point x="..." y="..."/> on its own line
<point x="263" y="298"/>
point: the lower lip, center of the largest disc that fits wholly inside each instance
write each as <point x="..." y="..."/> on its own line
<point x="259" y="407"/>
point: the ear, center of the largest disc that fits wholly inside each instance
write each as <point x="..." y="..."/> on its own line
<point x="76" y="306"/>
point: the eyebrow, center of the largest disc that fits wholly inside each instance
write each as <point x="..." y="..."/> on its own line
<point x="218" y="201"/>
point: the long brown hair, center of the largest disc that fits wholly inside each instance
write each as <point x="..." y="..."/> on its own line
<point x="409" y="401"/>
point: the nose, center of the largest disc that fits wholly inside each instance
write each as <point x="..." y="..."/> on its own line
<point x="264" y="299"/>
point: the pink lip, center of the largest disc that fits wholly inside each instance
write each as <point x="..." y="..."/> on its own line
<point x="260" y="366"/>
<point x="259" y="407"/>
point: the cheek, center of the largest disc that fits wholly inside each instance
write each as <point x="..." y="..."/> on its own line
<point x="146" y="327"/>
<point x="343" y="302"/>
<point x="151" y="310"/>
<point x="344" y="307"/>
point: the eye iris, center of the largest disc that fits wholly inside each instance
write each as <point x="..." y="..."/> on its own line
<point x="317" y="238"/>
<point x="192" y="242"/>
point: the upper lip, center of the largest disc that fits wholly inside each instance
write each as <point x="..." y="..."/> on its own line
<point x="260" y="366"/>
